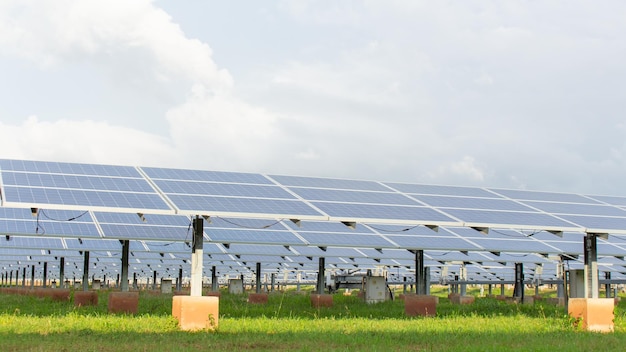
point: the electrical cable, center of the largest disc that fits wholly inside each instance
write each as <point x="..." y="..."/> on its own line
<point x="250" y="227"/>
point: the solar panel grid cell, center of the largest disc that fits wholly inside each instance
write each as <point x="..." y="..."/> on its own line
<point x="444" y="202"/>
<point x="330" y="183"/>
<point x="432" y="242"/>
<point x="211" y="205"/>
<point x="389" y="212"/>
<point x="441" y="190"/>
<point x="252" y="236"/>
<point x="145" y="232"/>
<point x="223" y="189"/>
<point x="348" y="240"/>
<point x="312" y="194"/>
<point x="205" y="176"/>
<point x="543" y="196"/>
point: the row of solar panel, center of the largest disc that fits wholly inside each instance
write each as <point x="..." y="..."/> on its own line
<point x="146" y="190"/>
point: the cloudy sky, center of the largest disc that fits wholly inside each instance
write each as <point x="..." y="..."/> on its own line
<point x="514" y="94"/>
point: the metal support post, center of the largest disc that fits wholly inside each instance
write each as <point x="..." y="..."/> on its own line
<point x="258" y="277"/>
<point x="518" y="290"/>
<point x="215" y="287"/>
<point x="86" y="271"/>
<point x="125" y="265"/>
<point x="320" y="275"/>
<point x="420" y="285"/>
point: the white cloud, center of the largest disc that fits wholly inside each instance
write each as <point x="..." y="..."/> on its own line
<point x="82" y="141"/>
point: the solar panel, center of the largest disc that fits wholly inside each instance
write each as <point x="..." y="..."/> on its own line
<point x="252" y="236"/>
<point x="383" y="213"/>
<point x="511" y="219"/>
<point x="543" y="196"/>
<point x="330" y="183"/>
<point x="239" y="206"/>
<point x="441" y="190"/>
<point x="66" y="185"/>
<point x="432" y="242"/>
<point x="347" y="240"/>
<point x="472" y="203"/>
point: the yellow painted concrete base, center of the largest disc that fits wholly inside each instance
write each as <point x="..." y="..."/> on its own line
<point x="595" y="314"/>
<point x="196" y="312"/>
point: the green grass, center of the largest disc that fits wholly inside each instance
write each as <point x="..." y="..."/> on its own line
<point x="288" y="322"/>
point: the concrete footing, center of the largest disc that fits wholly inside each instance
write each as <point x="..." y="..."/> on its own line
<point x="85" y="298"/>
<point x="257" y="298"/>
<point x="123" y="302"/>
<point x="420" y="305"/>
<point x="593" y="314"/>
<point x="196" y="312"/>
<point x="456" y="298"/>
<point x="321" y="300"/>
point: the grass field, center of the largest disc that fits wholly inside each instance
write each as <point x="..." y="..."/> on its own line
<point x="289" y="323"/>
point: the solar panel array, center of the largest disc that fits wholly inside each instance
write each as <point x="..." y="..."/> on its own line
<point x="284" y="220"/>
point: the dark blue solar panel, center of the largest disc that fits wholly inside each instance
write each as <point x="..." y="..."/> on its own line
<point x="43" y="196"/>
<point x="258" y="249"/>
<point x="149" y="232"/>
<point x="312" y="194"/>
<point x="243" y="223"/>
<point x="513" y="219"/>
<point x="31" y="242"/>
<point x="350" y="240"/>
<point x="369" y="211"/>
<point x="208" y="204"/>
<point x="151" y="219"/>
<point x="513" y="245"/>
<point x="618" y="201"/>
<point x="326" y="226"/>
<point x="252" y="236"/>
<point x="424" y="242"/>
<point x="582" y="209"/>
<point x="76" y="182"/>
<point x="544" y="196"/>
<point x="441" y="190"/>
<point x="67" y="168"/>
<point x="90" y="245"/>
<point x="472" y="203"/>
<point x="315" y="182"/>
<point x="48" y="228"/>
<point x="223" y="189"/>
<point x="597" y="222"/>
<point x="207" y="176"/>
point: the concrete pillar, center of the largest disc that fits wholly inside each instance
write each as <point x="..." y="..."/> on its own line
<point x="196" y="257"/>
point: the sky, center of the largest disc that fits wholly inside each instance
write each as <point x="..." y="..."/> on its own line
<point x="505" y="94"/>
